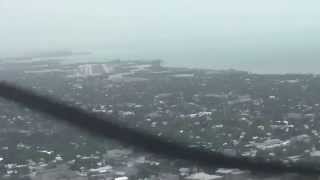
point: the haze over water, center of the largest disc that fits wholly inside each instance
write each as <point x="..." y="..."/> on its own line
<point x="263" y="64"/>
<point x="262" y="37"/>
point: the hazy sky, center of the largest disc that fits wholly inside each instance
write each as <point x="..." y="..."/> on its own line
<point x="250" y="29"/>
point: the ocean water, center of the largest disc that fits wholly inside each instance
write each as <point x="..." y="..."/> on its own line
<point x="261" y="64"/>
<point x="255" y="62"/>
<point x="258" y="66"/>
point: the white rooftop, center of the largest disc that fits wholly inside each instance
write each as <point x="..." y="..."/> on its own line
<point x="121" y="178"/>
<point x="203" y="176"/>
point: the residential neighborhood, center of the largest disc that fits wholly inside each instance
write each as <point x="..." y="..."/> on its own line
<point x="275" y="117"/>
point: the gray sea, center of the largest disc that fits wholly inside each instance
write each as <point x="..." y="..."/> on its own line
<point x="254" y="63"/>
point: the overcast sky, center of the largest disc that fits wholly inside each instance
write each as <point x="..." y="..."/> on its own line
<point x="162" y="26"/>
